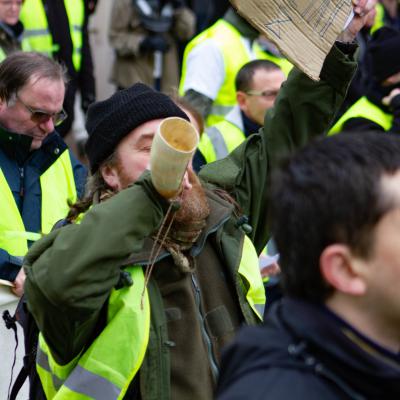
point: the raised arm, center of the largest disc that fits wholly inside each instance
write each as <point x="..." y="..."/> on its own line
<point x="304" y="109"/>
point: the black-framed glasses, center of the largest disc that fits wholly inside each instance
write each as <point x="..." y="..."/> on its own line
<point x="40" y="116"/>
<point x="268" y="94"/>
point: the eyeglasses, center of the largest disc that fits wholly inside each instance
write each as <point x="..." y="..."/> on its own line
<point x="40" y="116"/>
<point x="10" y="3"/>
<point x="268" y="94"/>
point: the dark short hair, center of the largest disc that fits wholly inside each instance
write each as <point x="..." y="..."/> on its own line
<point x="244" y="77"/>
<point x="329" y="192"/>
<point x="18" y="68"/>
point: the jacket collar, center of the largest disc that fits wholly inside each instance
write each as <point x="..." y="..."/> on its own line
<point x="250" y="126"/>
<point x="12" y="31"/>
<point x="375" y="93"/>
<point x="340" y="347"/>
<point x="15" y="145"/>
<point x="220" y="212"/>
<point x="18" y="147"/>
<point x="238" y="118"/>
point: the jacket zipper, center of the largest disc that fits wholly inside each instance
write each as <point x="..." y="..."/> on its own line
<point x="196" y="249"/>
<point x="206" y="336"/>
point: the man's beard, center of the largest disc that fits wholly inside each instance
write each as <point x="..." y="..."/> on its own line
<point x="194" y="205"/>
<point x="191" y="217"/>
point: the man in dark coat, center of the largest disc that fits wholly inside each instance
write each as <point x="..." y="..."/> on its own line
<point x="337" y="333"/>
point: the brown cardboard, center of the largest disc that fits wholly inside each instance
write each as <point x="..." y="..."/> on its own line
<point x="303" y="30"/>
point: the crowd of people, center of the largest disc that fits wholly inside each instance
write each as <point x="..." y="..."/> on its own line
<point x="127" y="292"/>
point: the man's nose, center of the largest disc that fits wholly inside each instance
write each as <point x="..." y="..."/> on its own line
<point x="186" y="185"/>
<point x="47" y="126"/>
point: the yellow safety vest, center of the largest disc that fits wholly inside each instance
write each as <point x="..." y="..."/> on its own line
<point x="58" y="187"/>
<point x="105" y="370"/>
<point x="249" y="270"/>
<point x="37" y="34"/>
<point x="379" y="18"/>
<point x="219" y="140"/>
<point x="285" y="65"/>
<point x="363" y="108"/>
<point x="235" y="55"/>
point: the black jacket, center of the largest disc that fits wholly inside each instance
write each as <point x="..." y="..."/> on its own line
<point x="305" y="352"/>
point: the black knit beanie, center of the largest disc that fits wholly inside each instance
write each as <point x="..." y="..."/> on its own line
<point x="109" y="121"/>
<point x="384" y="53"/>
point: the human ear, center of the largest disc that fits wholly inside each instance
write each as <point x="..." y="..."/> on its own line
<point x="342" y="270"/>
<point x="111" y="176"/>
<point x="3" y="104"/>
<point x="241" y="98"/>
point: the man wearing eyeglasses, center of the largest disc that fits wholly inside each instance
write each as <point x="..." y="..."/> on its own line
<point x="38" y="174"/>
<point x="60" y="30"/>
<point x="257" y="85"/>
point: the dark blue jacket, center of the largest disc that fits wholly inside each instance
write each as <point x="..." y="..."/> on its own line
<point x="305" y="352"/>
<point x="22" y="168"/>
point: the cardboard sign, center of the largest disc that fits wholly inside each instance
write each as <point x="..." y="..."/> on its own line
<point x="303" y="30"/>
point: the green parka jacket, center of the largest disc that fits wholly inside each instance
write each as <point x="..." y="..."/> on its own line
<point x="71" y="272"/>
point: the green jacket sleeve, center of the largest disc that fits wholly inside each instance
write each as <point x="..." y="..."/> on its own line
<point x="303" y="110"/>
<point x="71" y="271"/>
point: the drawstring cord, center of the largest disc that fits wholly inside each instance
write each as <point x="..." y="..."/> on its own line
<point x="154" y="254"/>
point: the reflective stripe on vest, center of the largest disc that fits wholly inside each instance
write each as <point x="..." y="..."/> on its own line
<point x="57" y="187"/>
<point x="36" y="29"/>
<point x="363" y="108"/>
<point x="235" y="55"/>
<point x="105" y="370"/>
<point x="223" y="137"/>
<point x="249" y="270"/>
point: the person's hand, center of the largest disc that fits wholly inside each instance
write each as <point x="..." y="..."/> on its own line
<point x="18" y="288"/>
<point x="271" y="270"/>
<point x="154" y="43"/>
<point x="388" y="99"/>
<point x="362" y="10"/>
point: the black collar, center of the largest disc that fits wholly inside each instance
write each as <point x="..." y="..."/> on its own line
<point x="15" y="145"/>
<point x="340" y="347"/>
<point x="18" y="147"/>
<point x="249" y="126"/>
